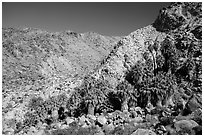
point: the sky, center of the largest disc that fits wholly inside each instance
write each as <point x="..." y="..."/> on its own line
<point x="111" y="19"/>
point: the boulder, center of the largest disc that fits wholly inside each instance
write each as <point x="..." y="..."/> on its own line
<point x="82" y="120"/>
<point x="32" y="130"/>
<point x="85" y="125"/>
<point x="92" y="117"/>
<point x="170" y="130"/>
<point x="193" y="104"/>
<point x="64" y="126"/>
<point x="108" y="128"/>
<point x="55" y="114"/>
<point x="137" y="120"/>
<point x="133" y="114"/>
<point x="185" y="125"/>
<point x="153" y="119"/>
<point x="197" y="116"/>
<point x="101" y="120"/>
<point x="9" y="131"/>
<point x="99" y="133"/>
<point x="40" y="132"/>
<point x="139" y="110"/>
<point x="69" y="120"/>
<point x="141" y="131"/>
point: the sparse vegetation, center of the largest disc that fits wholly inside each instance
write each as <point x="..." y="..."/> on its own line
<point x="141" y="85"/>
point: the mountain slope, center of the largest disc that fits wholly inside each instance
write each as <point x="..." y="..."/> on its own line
<point x="29" y="54"/>
<point x="149" y="83"/>
<point x="36" y="62"/>
<point x="158" y="66"/>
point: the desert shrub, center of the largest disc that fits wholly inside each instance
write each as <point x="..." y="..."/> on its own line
<point x="35" y="102"/>
<point x="150" y="88"/>
<point x="40" y="109"/>
<point x="58" y="101"/>
<point x="169" y="51"/>
<point x="182" y="53"/>
<point x="160" y="60"/>
<point x="162" y="87"/>
<point x="140" y="74"/>
<point x="31" y="119"/>
<point x="92" y="91"/>
<point x="126" y="94"/>
<point x="18" y="127"/>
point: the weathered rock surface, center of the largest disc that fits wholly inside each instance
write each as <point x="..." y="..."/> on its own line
<point x="178" y="14"/>
<point x="143" y="132"/>
<point x="101" y="120"/>
<point x="185" y="126"/>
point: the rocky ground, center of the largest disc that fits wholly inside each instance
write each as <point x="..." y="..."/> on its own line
<point x="150" y="83"/>
<point x="136" y="121"/>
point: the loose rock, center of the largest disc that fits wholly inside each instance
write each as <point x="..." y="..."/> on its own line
<point x="141" y="131"/>
<point x="101" y="119"/>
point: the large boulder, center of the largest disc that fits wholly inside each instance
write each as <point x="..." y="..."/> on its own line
<point x="69" y="120"/>
<point x="193" y="104"/>
<point x="141" y="131"/>
<point x="108" y="128"/>
<point x="197" y="116"/>
<point x="185" y="126"/>
<point x="101" y="120"/>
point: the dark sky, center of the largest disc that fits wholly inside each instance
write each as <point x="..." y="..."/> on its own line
<point x="112" y="19"/>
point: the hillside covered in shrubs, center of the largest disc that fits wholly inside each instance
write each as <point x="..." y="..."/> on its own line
<point x="146" y="83"/>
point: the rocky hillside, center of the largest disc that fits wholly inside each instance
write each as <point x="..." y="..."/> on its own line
<point x="150" y="83"/>
<point x="34" y="53"/>
<point x="33" y="58"/>
<point x="44" y="63"/>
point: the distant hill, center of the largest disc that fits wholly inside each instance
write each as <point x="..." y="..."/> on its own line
<point x="32" y="54"/>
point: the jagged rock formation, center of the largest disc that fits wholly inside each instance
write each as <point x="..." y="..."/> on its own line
<point x="179" y="15"/>
<point x="150" y="83"/>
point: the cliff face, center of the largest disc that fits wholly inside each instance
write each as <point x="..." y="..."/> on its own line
<point x="151" y="78"/>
